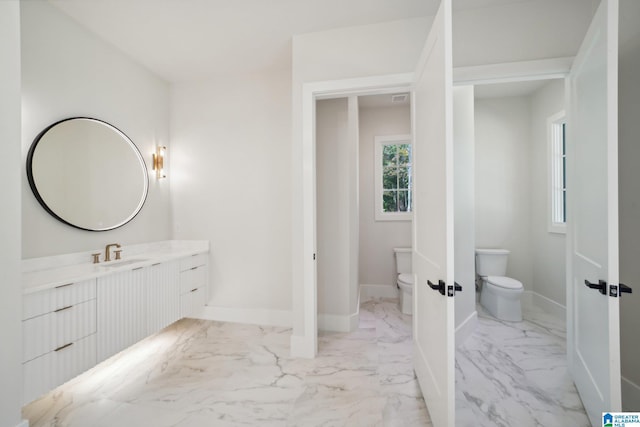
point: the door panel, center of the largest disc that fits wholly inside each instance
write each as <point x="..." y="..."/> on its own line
<point x="433" y="319"/>
<point x="593" y="318"/>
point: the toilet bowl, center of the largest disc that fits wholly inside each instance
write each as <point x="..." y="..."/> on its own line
<point x="404" y="279"/>
<point x="405" y="283"/>
<point x="499" y="295"/>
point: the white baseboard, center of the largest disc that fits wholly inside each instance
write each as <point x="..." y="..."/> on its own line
<point x="369" y="292"/>
<point x="338" y="322"/>
<point x="527" y="300"/>
<point x="251" y="316"/>
<point x="530" y="298"/>
<point x="466" y="328"/>
<point x="303" y="346"/>
<point x="630" y="396"/>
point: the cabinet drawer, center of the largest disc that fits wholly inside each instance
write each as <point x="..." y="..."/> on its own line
<point x="192" y="302"/>
<point x="39" y="303"/>
<point x="195" y="277"/>
<point x="193" y="261"/>
<point x="56" y="367"/>
<point x="50" y="331"/>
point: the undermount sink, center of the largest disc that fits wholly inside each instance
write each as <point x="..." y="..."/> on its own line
<point x="122" y="262"/>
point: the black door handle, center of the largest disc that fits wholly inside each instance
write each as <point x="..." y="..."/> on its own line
<point x="624" y="289"/>
<point x="601" y="286"/>
<point x="440" y="287"/>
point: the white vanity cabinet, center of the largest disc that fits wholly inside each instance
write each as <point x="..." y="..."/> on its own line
<point x="193" y="285"/>
<point x="69" y="328"/>
<point x="59" y="336"/>
<point x="163" y="290"/>
<point x="122" y="314"/>
<point x="135" y="304"/>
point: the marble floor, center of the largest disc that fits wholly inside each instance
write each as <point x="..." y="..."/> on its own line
<point x="203" y="373"/>
<point x="515" y="374"/>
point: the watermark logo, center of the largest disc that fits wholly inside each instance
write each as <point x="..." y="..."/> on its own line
<point x="621" y="419"/>
<point x="607" y="420"/>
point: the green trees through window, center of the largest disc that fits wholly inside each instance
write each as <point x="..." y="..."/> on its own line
<point x="396" y="178"/>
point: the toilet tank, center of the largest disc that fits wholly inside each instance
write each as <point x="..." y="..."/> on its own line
<point x="491" y="262"/>
<point x="403" y="260"/>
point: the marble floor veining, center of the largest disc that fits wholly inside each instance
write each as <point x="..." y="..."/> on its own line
<point x="199" y="373"/>
<point x="515" y="374"/>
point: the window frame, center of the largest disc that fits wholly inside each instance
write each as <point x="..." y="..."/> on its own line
<point x="556" y="172"/>
<point x="380" y="142"/>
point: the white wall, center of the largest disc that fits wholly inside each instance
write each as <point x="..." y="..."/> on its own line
<point x="67" y="71"/>
<point x="503" y="181"/>
<point x="629" y="129"/>
<point x="548" y="249"/>
<point x="512" y="200"/>
<point x="231" y="184"/>
<point x="378" y="238"/>
<point x="10" y="170"/>
<point x="332" y="166"/>
<point x="520" y="31"/>
<point x="464" y="210"/>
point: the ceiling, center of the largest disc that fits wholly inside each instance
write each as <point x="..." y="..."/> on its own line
<point x="384" y="101"/>
<point x="191" y="39"/>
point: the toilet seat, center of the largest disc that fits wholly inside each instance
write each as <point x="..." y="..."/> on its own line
<point x="505" y="282"/>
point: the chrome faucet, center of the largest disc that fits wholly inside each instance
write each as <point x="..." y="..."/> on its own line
<point x="107" y="251"/>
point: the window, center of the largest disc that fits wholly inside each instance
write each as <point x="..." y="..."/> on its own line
<point x="393" y="186"/>
<point x="558" y="175"/>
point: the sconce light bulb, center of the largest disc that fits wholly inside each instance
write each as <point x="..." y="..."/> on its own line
<point x="158" y="161"/>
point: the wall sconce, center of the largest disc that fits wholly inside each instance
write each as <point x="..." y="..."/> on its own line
<point x="158" y="161"/>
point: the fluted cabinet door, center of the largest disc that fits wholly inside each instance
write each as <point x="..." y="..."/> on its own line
<point x="122" y="313"/>
<point x="163" y="295"/>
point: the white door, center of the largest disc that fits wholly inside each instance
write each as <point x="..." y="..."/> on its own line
<point x="592" y="180"/>
<point x="433" y="319"/>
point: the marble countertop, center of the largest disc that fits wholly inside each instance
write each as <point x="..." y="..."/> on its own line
<point x="44" y="273"/>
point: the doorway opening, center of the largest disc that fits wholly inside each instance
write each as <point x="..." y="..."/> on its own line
<point x="518" y="200"/>
<point x="357" y="228"/>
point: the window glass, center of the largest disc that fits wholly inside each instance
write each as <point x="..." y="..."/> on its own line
<point x="393" y="177"/>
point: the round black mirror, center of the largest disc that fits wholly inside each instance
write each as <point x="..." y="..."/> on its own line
<point x="87" y="174"/>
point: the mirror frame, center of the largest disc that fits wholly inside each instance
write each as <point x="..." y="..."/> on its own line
<point x="39" y="198"/>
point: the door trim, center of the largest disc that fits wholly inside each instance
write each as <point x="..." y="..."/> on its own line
<point x="306" y="345"/>
<point x="507" y="72"/>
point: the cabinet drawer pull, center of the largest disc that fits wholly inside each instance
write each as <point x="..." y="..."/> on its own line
<point x="194" y="268"/>
<point x="63" y="286"/>
<point x="63" y="347"/>
<point x="137" y="268"/>
<point x="194" y="289"/>
<point x="63" y="308"/>
<point x="157" y="263"/>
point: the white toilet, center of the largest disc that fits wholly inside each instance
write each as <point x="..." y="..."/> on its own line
<point x="500" y="295"/>
<point x="404" y="278"/>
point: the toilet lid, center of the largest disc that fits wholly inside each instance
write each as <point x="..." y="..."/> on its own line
<point x="504" y="282"/>
<point x="406" y="278"/>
